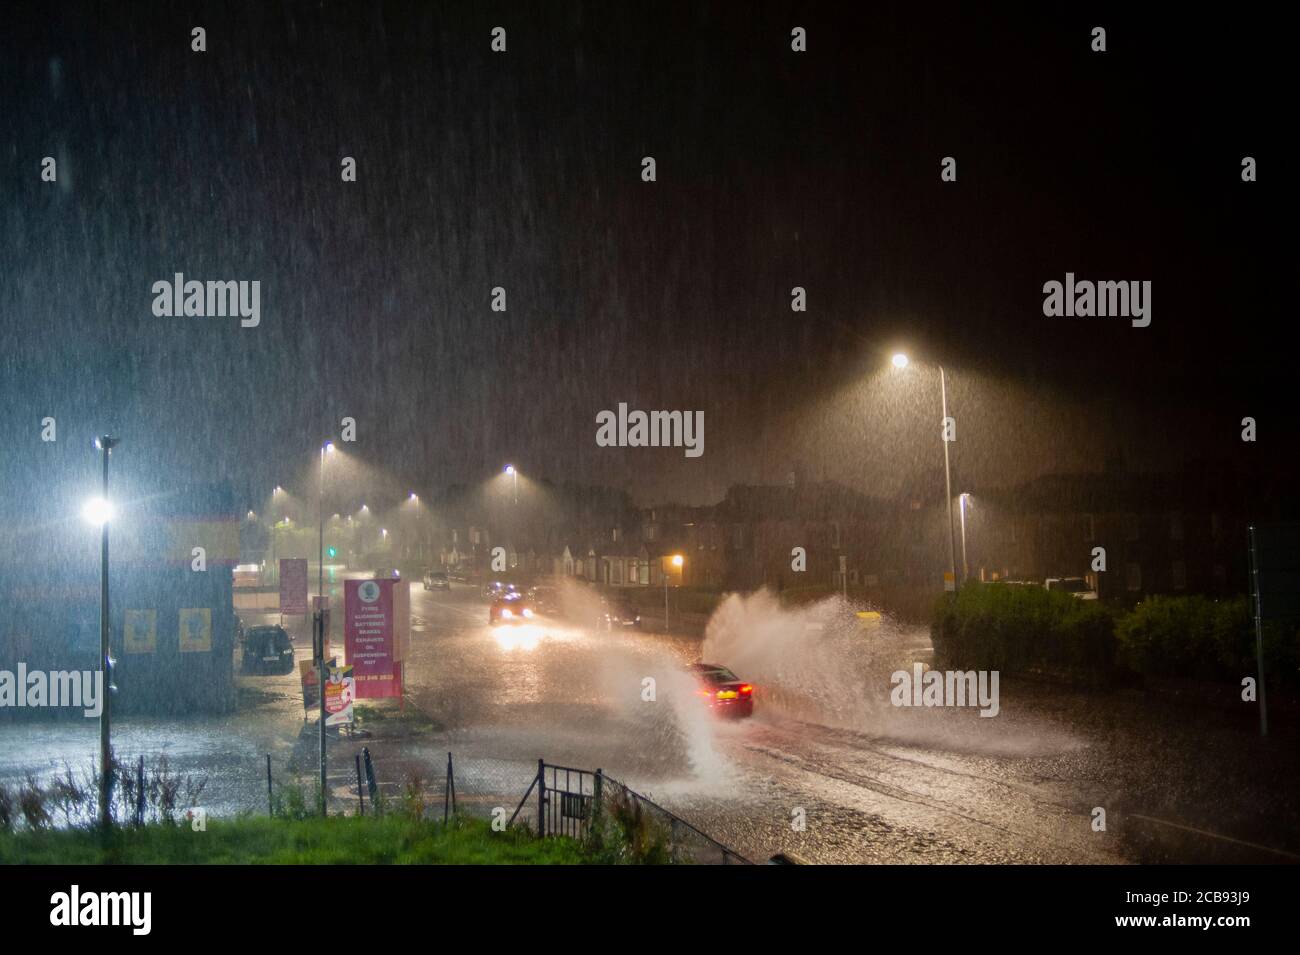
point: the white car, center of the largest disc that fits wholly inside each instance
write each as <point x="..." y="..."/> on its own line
<point x="1075" y="586"/>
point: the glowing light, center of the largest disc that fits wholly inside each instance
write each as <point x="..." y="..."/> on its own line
<point x="97" y="511"/>
<point x="899" y="360"/>
<point x="677" y="560"/>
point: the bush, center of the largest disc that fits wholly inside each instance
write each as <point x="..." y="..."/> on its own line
<point x="1009" y="628"/>
<point x="624" y="833"/>
<point x="1198" y="638"/>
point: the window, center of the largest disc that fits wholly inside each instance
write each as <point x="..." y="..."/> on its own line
<point x="1179" y="575"/>
<point x="1133" y="577"/>
<point x="835" y="535"/>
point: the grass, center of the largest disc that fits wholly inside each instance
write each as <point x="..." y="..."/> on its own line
<point x="390" y="840"/>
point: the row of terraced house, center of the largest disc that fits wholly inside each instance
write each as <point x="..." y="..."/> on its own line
<point x="1158" y="534"/>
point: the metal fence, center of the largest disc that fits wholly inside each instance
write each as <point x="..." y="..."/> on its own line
<point x="549" y="799"/>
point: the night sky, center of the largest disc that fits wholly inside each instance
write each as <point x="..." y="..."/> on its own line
<point x="523" y="170"/>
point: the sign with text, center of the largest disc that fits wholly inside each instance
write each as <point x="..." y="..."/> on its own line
<point x="368" y="637"/>
<point x="293" y="585"/>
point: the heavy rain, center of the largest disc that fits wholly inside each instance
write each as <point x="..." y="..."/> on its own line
<point x="842" y="435"/>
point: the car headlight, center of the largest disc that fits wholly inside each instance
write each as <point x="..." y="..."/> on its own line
<point x="507" y="613"/>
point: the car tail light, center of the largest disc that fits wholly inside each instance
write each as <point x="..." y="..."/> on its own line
<point x="746" y="689"/>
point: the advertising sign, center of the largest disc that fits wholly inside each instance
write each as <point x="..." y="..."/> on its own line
<point x="310" y="686"/>
<point x="293" y="585"/>
<point x="196" y="630"/>
<point x="340" y="691"/>
<point x="141" y="632"/>
<point x="368" y="635"/>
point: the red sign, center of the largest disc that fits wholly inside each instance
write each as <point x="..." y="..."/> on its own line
<point x="368" y="635"/>
<point x="293" y="585"/>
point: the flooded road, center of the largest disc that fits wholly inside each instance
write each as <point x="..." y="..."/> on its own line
<point x="827" y="767"/>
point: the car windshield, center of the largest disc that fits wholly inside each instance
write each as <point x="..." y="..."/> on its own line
<point x="719" y="675"/>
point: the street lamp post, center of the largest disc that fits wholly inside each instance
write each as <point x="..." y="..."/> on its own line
<point x="320" y="623"/>
<point x="676" y="561"/>
<point x="900" y="361"/>
<point x="965" y="566"/>
<point x="101" y="512"/>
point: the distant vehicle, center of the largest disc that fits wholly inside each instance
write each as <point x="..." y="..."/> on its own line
<point x="619" y="613"/>
<point x="267" y="651"/>
<point x="510" y="608"/>
<point x="725" y="693"/>
<point x="497" y="588"/>
<point x="1074" y="586"/>
<point x="248" y="575"/>
<point x="385" y="573"/>
<point x="545" y="600"/>
<point x="436" y="580"/>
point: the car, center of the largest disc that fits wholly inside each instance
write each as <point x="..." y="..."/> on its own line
<point x="383" y="573"/>
<point x="545" y="600"/>
<point x="511" y="608"/>
<point x="1074" y="586"/>
<point x="726" y="694"/>
<point x="620" y="614"/>
<point x="267" y="651"/>
<point x="436" y="580"/>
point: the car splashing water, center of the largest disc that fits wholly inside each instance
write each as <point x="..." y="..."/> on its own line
<point x="826" y="662"/>
<point x="675" y="730"/>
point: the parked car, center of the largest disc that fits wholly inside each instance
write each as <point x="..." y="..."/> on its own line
<point x="510" y="608"/>
<point x="725" y="693"/>
<point x="1075" y="586"/>
<point x="267" y="651"/>
<point x="436" y="580"/>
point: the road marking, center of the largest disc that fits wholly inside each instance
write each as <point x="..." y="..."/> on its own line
<point x="1214" y="835"/>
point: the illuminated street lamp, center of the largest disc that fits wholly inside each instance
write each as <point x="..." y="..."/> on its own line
<point x="514" y="478"/>
<point x="676" y="561"/>
<point x="99" y="511"/>
<point x="900" y="361"/>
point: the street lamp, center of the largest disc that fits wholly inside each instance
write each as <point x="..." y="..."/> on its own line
<point x="514" y="478"/>
<point x="900" y="361"/>
<point x="676" y="561"/>
<point x="100" y="511"/>
<point x="319" y="648"/>
<point x="965" y="567"/>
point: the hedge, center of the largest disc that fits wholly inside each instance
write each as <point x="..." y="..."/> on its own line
<point x="1015" y="628"/>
